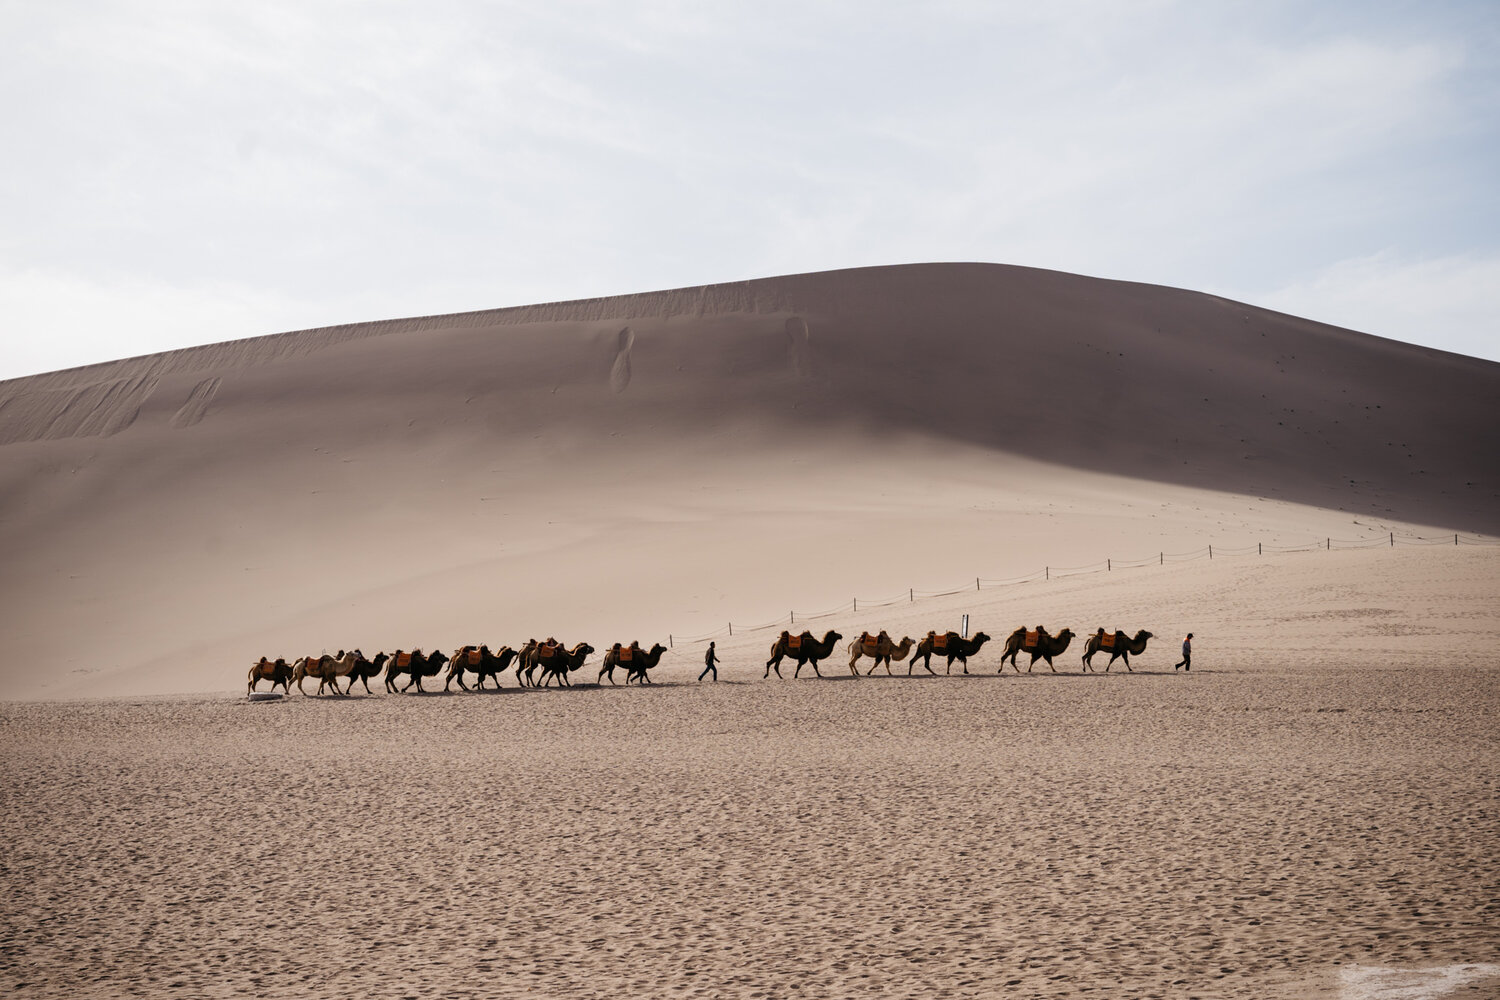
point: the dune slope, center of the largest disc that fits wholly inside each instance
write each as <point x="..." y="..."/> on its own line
<point x="642" y="461"/>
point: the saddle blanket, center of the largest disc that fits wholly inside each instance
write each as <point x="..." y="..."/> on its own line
<point x="794" y="642"/>
<point x="940" y="641"/>
<point x="1032" y="638"/>
<point x="1108" y="642"/>
<point x="403" y="659"/>
<point x="872" y="643"/>
<point x="474" y="657"/>
<point x="626" y="654"/>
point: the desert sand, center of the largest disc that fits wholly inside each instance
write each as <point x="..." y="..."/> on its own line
<point x="1311" y="812"/>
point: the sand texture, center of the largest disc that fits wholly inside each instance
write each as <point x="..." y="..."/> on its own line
<point x="1314" y="814"/>
<point x="1311" y="812"/>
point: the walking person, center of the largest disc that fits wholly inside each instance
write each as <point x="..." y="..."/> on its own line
<point x="1187" y="654"/>
<point x="709" y="659"/>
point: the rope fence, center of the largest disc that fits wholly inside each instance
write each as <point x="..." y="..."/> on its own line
<point x="1108" y="565"/>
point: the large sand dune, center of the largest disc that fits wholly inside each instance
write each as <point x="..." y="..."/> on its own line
<point x="676" y="460"/>
<point x="1310" y="813"/>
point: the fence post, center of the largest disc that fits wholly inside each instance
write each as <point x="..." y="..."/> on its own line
<point x="794" y="617"/>
<point x="1393" y="539"/>
<point x="911" y="596"/>
<point x="1049" y="572"/>
<point x="856" y="604"/>
<point x="1455" y="539"/>
<point x="976" y="579"/>
<point x="1161" y="558"/>
<point x="669" y="640"/>
<point x="1109" y="565"/>
<point x="1210" y="552"/>
<point x="1260" y="548"/>
<point x="731" y="628"/>
<point x="1329" y="544"/>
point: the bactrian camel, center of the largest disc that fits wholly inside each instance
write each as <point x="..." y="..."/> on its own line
<point x="1116" y="644"/>
<point x="277" y="672"/>
<point x="802" y="648"/>
<point x="365" y="669"/>
<point x="416" y="664"/>
<point x="558" y="662"/>
<point x="343" y="665"/>
<point x="880" y="648"/>
<point x="478" y="660"/>
<point x="950" y="645"/>
<point x="1036" y="642"/>
<point x="312" y="666"/>
<point x="635" y="660"/>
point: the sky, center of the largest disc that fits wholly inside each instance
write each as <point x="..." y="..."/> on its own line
<point x="179" y="173"/>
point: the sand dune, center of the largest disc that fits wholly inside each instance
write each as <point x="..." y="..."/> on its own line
<point x="669" y="461"/>
<point x="1309" y="813"/>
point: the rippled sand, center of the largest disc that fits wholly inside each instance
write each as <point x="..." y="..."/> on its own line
<point x="1247" y="831"/>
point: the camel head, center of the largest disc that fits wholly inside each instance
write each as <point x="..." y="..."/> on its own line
<point x="1143" y="634"/>
<point x="980" y="637"/>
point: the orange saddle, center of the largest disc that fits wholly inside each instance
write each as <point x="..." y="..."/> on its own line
<point x="1108" y="642"/>
<point x="1032" y="638"/>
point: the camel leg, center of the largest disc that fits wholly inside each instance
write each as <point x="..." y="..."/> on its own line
<point x="965" y="661"/>
<point x="814" y="665"/>
<point x="1126" y="658"/>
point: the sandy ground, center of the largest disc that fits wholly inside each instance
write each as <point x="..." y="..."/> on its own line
<point x="1312" y="812"/>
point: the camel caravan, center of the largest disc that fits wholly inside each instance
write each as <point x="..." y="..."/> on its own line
<point x="545" y="663"/>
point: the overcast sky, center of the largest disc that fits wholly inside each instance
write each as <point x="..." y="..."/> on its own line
<point x="178" y="173"/>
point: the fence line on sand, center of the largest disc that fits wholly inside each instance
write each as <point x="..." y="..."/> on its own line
<point x="1106" y="565"/>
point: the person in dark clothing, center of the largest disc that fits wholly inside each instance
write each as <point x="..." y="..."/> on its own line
<point x="709" y="659"/>
<point x="1187" y="653"/>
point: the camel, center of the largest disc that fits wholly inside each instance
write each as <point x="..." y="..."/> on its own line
<point x="633" y="658"/>
<point x="415" y="664"/>
<point x="365" y="669"/>
<point x="312" y="666"/>
<point x="880" y="648"/>
<point x="479" y="660"/>
<point x="530" y="656"/>
<point x="949" y="645"/>
<point x="1116" y="644"/>
<point x="804" y="648"/>
<point x="343" y="665"/>
<point x="559" y="661"/>
<point x="555" y="660"/>
<point x="276" y="672"/>
<point x="1036" y="642"/>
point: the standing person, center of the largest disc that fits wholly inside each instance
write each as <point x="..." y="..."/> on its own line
<point x="1187" y="653"/>
<point x="709" y="659"/>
